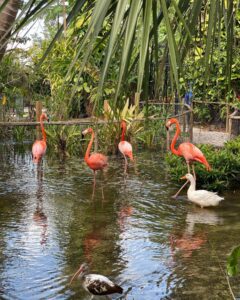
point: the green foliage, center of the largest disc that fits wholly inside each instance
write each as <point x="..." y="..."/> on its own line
<point x="64" y="139"/>
<point x="202" y="113"/>
<point x="22" y="133"/>
<point x="225" y="164"/>
<point x="233" y="262"/>
<point x="215" y="88"/>
<point x="154" y="132"/>
<point x="74" y="90"/>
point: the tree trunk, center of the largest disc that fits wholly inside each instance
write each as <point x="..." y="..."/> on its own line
<point x="7" y="17"/>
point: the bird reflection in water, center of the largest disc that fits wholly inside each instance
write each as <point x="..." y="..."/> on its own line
<point x="189" y="241"/>
<point x="186" y="243"/>
<point x="39" y="217"/>
<point x="125" y="212"/>
<point x="91" y="241"/>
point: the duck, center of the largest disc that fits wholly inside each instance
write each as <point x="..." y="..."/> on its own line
<point x="202" y="198"/>
<point x="96" y="284"/>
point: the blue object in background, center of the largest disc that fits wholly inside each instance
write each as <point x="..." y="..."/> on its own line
<point x="188" y="95"/>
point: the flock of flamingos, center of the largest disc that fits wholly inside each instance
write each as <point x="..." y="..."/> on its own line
<point x="97" y="284"/>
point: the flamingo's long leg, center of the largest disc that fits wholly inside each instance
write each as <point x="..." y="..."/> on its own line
<point x="194" y="174"/>
<point x="126" y="163"/>
<point x="94" y="178"/>
<point x="94" y="184"/>
<point x="102" y="194"/>
<point x="93" y="192"/>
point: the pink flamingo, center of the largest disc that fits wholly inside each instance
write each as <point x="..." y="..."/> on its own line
<point x="125" y="147"/>
<point x="189" y="151"/>
<point x="40" y="146"/>
<point x="95" y="161"/>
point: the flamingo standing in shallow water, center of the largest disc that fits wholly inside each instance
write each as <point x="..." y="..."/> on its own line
<point x="125" y="147"/>
<point x="189" y="151"/>
<point x="96" y="284"/>
<point x="40" y="146"/>
<point x="95" y="161"/>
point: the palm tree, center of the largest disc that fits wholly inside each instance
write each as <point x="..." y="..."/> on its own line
<point x="146" y="33"/>
<point x="8" y="13"/>
<point x="134" y="31"/>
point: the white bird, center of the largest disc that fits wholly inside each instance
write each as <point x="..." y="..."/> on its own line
<point x="202" y="198"/>
<point x="96" y="284"/>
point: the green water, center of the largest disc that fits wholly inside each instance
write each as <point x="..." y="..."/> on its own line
<point x="130" y="230"/>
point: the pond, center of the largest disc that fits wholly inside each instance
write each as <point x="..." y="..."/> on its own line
<point x="130" y="230"/>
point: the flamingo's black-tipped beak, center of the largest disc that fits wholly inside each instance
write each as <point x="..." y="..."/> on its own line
<point x="167" y="128"/>
<point x="183" y="177"/>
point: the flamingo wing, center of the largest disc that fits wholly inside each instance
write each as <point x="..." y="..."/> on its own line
<point x="192" y="153"/>
<point x="39" y="149"/>
<point x="97" y="161"/>
<point x="126" y="149"/>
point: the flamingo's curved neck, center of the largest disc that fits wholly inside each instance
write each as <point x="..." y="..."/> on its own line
<point x="173" y="143"/>
<point x="123" y="133"/>
<point x="44" y="136"/>
<point x="87" y="154"/>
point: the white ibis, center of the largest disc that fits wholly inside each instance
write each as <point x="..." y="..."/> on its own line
<point x="96" y="284"/>
<point x="201" y="197"/>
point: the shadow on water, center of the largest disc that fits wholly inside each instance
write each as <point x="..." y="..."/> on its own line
<point x="130" y="230"/>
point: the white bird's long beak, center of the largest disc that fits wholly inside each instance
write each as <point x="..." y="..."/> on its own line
<point x="75" y="275"/>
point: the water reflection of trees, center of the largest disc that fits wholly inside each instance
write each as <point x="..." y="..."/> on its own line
<point x="15" y="165"/>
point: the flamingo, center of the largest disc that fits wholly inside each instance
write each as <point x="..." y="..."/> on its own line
<point x="40" y="146"/>
<point x="125" y="147"/>
<point x="202" y="198"/>
<point x="189" y="151"/>
<point x="95" y="161"/>
<point x="96" y="284"/>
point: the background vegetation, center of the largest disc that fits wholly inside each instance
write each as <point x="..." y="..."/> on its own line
<point x="114" y="49"/>
<point x="91" y="51"/>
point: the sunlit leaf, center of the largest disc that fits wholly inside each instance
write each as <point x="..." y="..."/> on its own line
<point x="233" y="262"/>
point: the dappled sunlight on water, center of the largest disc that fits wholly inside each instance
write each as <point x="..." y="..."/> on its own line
<point x="129" y="229"/>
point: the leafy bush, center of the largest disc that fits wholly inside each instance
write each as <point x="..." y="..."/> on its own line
<point x="64" y="139"/>
<point x="225" y="164"/>
<point x="22" y="133"/>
